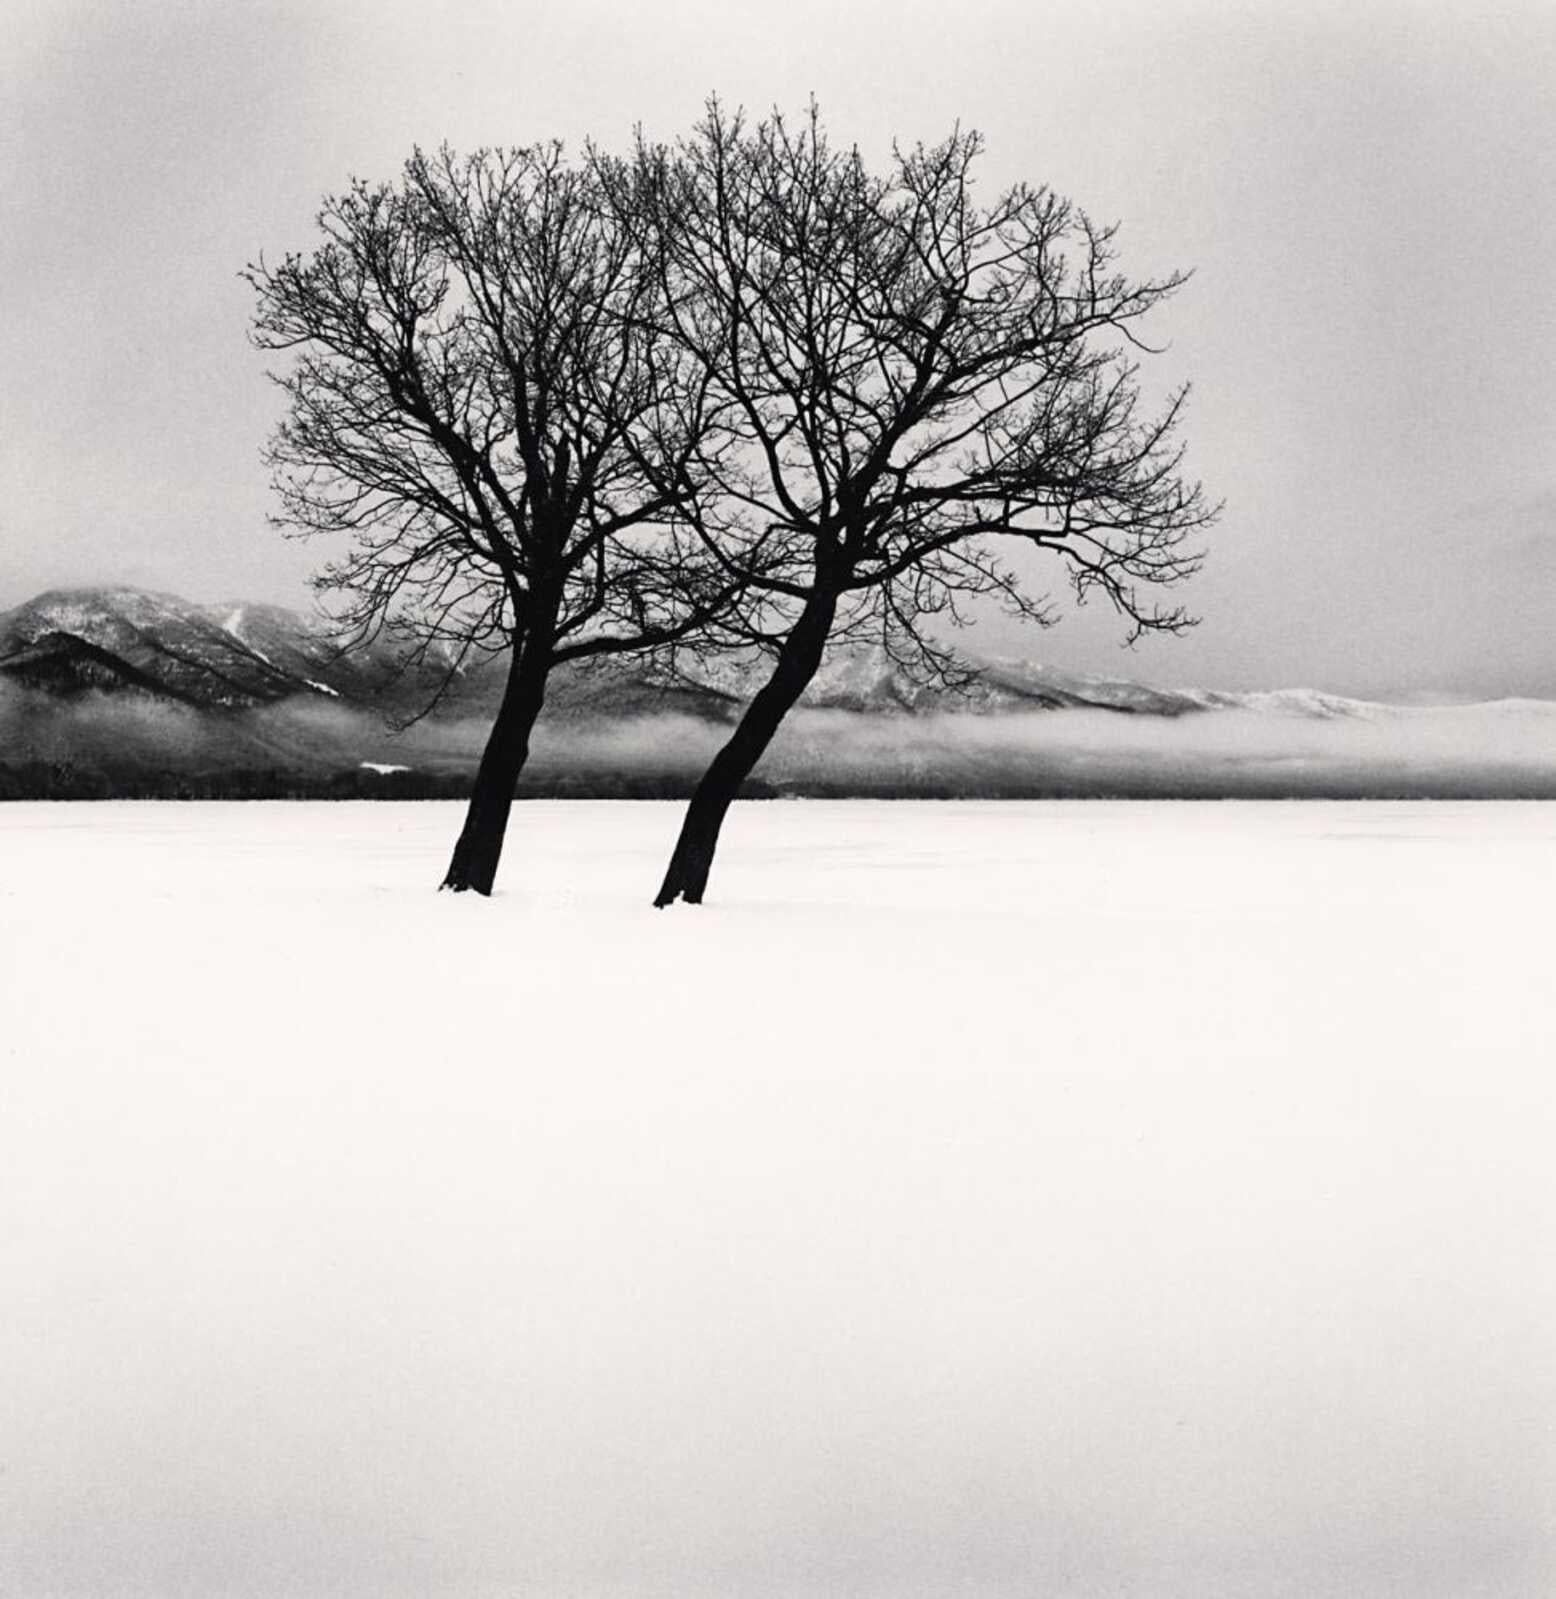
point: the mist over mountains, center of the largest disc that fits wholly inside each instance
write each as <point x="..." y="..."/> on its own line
<point x="121" y="692"/>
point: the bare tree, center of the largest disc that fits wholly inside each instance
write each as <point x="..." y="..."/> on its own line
<point x="918" y="384"/>
<point x="486" y="406"/>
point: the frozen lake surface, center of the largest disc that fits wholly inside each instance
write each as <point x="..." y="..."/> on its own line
<point x="1024" y="1199"/>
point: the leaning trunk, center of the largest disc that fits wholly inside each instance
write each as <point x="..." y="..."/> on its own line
<point x="687" y="876"/>
<point x="474" y="864"/>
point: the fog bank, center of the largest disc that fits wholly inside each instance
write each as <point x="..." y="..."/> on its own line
<point x="1499" y="749"/>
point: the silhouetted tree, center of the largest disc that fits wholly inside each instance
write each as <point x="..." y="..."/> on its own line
<point x="487" y="403"/>
<point x="917" y="381"/>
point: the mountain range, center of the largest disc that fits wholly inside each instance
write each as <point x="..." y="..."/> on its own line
<point x="237" y="657"/>
<point x="112" y="690"/>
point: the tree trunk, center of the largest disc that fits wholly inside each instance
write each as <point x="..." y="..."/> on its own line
<point x="474" y="864"/>
<point x="687" y="876"/>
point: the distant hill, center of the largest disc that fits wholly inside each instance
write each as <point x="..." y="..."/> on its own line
<point x="120" y="691"/>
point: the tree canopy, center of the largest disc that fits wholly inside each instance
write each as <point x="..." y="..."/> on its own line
<point x="737" y="389"/>
<point x="918" y="384"/>
<point x="486" y="410"/>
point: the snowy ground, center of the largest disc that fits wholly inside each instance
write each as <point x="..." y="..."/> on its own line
<point x="1031" y="1199"/>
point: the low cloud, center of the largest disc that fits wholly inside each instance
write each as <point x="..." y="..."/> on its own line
<point x="1495" y="748"/>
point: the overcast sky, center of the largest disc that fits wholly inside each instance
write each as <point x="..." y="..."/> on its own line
<point x="1367" y="194"/>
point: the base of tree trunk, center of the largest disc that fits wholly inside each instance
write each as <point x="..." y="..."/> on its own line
<point x="473" y="866"/>
<point x="465" y="876"/>
<point x="671" y="895"/>
<point x="457" y="884"/>
<point x="686" y="877"/>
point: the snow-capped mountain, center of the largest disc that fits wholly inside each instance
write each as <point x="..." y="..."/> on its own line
<point x="228" y="657"/>
<point x="243" y="655"/>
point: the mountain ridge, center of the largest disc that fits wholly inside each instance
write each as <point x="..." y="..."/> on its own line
<point x="246" y="654"/>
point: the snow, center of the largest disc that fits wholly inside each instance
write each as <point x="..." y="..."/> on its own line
<point x="1297" y="702"/>
<point x="323" y="688"/>
<point x="977" y="1199"/>
<point x="233" y="624"/>
<point x="383" y="768"/>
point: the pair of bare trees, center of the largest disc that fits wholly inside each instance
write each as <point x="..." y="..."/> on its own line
<point x="735" y="392"/>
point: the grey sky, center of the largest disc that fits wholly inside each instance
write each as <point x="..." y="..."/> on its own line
<point x="1367" y="194"/>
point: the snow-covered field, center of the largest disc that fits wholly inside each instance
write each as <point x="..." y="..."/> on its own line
<point x="1010" y="1200"/>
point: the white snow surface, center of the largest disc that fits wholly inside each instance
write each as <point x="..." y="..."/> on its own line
<point x="233" y="623"/>
<point x="1026" y="1199"/>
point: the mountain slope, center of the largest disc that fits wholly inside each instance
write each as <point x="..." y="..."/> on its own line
<point x="220" y="658"/>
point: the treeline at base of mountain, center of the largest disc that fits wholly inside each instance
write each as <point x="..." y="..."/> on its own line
<point x="65" y="781"/>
